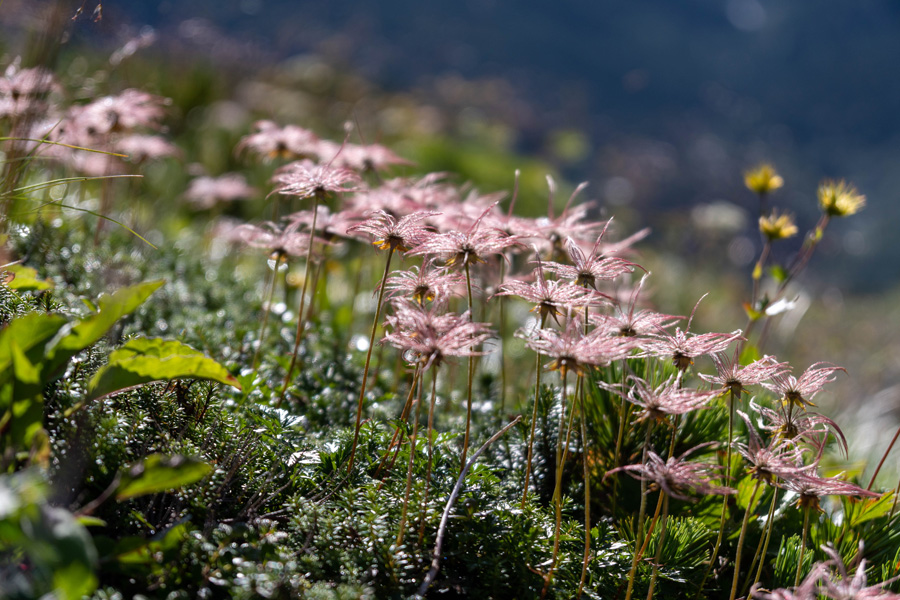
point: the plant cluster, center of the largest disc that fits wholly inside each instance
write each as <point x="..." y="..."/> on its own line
<point x="170" y="426"/>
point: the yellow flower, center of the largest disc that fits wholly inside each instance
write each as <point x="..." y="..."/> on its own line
<point x="839" y="198"/>
<point x="763" y="179"/>
<point x="777" y="227"/>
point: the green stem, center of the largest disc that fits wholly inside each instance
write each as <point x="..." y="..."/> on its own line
<point x="557" y="490"/>
<point x="802" y="546"/>
<point x="740" y="544"/>
<point x="430" y="453"/>
<point x="537" y="396"/>
<point x="639" y="533"/>
<point x="403" y="415"/>
<point x="471" y="375"/>
<point x="268" y="295"/>
<point x="409" y="467"/>
<point x="362" y="387"/>
<point x="587" y="493"/>
<point x="299" y="334"/>
<point x="659" y="547"/>
<point x="502" y="329"/>
<point x="767" y="535"/>
<point x="719" y="537"/>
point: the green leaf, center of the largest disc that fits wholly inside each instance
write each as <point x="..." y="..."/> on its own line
<point x="778" y="273"/>
<point x="752" y="313"/>
<point x="30" y="333"/>
<point x="26" y="279"/>
<point x="144" y="360"/>
<point x="749" y="354"/>
<point x="90" y="329"/>
<point x="859" y="511"/>
<point x="160" y="473"/>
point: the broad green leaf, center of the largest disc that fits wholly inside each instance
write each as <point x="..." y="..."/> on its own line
<point x="860" y="511"/>
<point x="90" y="329"/>
<point x="144" y="360"/>
<point x="30" y="333"/>
<point x="160" y="473"/>
<point x="26" y="279"/>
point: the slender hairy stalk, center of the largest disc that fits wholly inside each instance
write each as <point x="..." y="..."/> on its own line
<point x="430" y="452"/>
<point x="652" y="527"/>
<point x="299" y="334"/>
<point x="718" y="544"/>
<point x="802" y="545"/>
<point x="639" y="532"/>
<point x="740" y="544"/>
<point x="502" y="329"/>
<point x="624" y="409"/>
<point x="557" y="490"/>
<point x="268" y="296"/>
<point x="587" y="493"/>
<point x="465" y="448"/>
<point x="659" y="546"/>
<point x="362" y="387"/>
<point x="883" y="458"/>
<point x="403" y="414"/>
<point x="767" y="535"/>
<point x="445" y="518"/>
<point x="537" y="396"/>
<point x="409" y="467"/>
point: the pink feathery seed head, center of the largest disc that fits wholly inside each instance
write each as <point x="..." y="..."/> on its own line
<point x="329" y="225"/>
<point x="731" y="375"/>
<point x="271" y="141"/>
<point x="810" y="489"/>
<point x="801" y="425"/>
<point x="572" y="349"/>
<point x="425" y="284"/>
<point x="125" y="112"/>
<point x="666" y="399"/>
<point x="277" y="240"/>
<point x="835" y="582"/>
<point x="141" y="148"/>
<point x="371" y="157"/>
<point x="395" y="234"/>
<point x="459" y="249"/>
<point x="800" y="392"/>
<point x="23" y="92"/>
<point x="205" y="192"/>
<point x="677" y="477"/>
<point x="587" y="269"/>
<point x="779" y="459"/>
<point x="306" y="179"/>
<point x="550" y="298"/>
<point x="428" y="336"/>
<point x="684" y="347"/>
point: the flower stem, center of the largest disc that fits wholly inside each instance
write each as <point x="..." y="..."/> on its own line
<point x="403" y="415"/>
<point x="410" y="463"/>
<point x="767" y="535"/>
<point x="430" y="453"/>
<point x="471" y="375"/>
<point x="299" y="334"/>
<point x="659" y="545"/>
<point x="639" y="533"/>
<point x="883" y="458"/>
<point x="740" y="543"/>
<point x="268" y="295"/>
<point x="802" y="546"/>
<point x="537" y="396"/>
<point x="587" y="493"/>
<point x="362" y="387"/>
<point x="718" y="544"/>
<point x="557" y="490"/>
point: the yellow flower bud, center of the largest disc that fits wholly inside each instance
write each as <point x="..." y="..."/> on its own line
<point x="763" y="179"/>
<point x="840" y="199"/>
<point x="777" y="227"/>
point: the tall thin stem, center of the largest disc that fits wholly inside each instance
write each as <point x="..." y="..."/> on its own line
<point x="883" y="458"/>
<point x="471" y="375"/>
<point x="557" y="490"/>
<point x="410" y="464"/>
<point x="718" y="544"/>
<point x="587" y="493"/>
<point x="767" y="535"/>
<point x="362" y="387"/>
<point x="502" y="329"/>
<point x="802" y="545"/>
<point x="639" y="532"/>
<point x="268" y="295"/>
<point x="299" y="335"/>
<point x="537" y="396"/>
<point x="659" y="545"/>
<point x="403" y="415"/>
<point x="740" y="543"/>
<point x="430" y="452"/>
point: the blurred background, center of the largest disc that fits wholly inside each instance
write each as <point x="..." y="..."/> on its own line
<point x="660" y="105"/>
